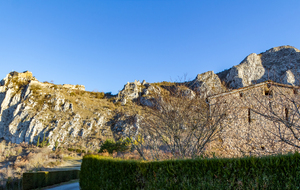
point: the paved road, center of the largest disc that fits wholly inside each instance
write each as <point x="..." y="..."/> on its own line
<point x="72" y="164"/>
<point x="70" y="186"/>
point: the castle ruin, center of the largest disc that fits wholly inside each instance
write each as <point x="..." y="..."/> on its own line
<point x="259" y="121"/>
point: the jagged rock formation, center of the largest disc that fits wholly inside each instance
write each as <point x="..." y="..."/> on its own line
<point x="147" y="98"/>
<point x="125" y="126"/>
<point x="32" y="111"/>
<point x="279" y="64"/>
<point x="138" y="91"/>
<point x="64" y="114"/>
<point x="207" y="84"/>
<point x="130" y="91"/>
<point x="204" y="84"/>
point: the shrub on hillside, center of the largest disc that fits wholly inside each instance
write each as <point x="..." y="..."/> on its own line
<point x="120" y="146"/>
<point x="99" y="95"/>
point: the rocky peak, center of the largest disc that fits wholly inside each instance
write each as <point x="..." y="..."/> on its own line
<point x="31" y="110"/>
<point x="24" y="76"/>
<point x="16" y="77"/>
<point x="286" y="48"/>
<point x="206" y="84"/>
<point x="130" y="91"/>
<point x="279" y="64"/>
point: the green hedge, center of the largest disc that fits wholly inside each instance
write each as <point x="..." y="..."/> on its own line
<point x="271" y="172"/>
<point x="40" y="179"/>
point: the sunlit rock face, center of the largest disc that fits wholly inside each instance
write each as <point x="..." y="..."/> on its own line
<point x="279" y="64"/>
<point x="66" y="114"/>
<point x="249" y="70"/>
<point x="207" y="84"/>
<point x="130" y="91"/>
<point x="32" y="111"/>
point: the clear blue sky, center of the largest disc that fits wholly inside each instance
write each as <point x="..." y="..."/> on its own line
<point x="103" y="44"/>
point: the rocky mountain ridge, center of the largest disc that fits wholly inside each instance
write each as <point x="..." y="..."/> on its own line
<point x="279" y="64"/>
<point x="32" y="111"/>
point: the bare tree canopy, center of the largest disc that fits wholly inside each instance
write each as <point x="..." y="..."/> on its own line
<point x="178" y="122"/>
<point x="282" y="109"/>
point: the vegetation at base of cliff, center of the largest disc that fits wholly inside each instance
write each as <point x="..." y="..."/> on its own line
<point x="15" y="159"/>
<point x="44" y="142"/>
<point x="112" y="146"/>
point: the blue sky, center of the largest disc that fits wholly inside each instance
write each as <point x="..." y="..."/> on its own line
<point x="103" y="44"/>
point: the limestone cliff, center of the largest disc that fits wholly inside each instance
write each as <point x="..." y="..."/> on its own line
<point x="279" y="64"/>
<point x="207" y="84"/>
<point x="33" y="111"/>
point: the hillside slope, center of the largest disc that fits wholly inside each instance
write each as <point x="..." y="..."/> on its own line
<point x="33" y="111"/>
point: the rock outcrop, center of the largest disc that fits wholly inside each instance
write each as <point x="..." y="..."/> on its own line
<point x="125" y="126"/>
<point x="130" y="91"/>
<point x="32" y="111"/>
<point x="279" y="64"/>
<point x="207" y="84"/>
<point x="204" y="84"/>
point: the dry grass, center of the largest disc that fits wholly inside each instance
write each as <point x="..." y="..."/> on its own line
<point x="164" y="155"/>
<point x="84" y="103"/>
<point x="164" y="83"/>
<point x="15" y="159"/>
<point x="134" y="155"/>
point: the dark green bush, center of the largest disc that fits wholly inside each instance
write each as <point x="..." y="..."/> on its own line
<point x="271" y="172"/>
<point x="111" y="146"/>
<point x="78" y="151"/>
<point x="45" y="142"/>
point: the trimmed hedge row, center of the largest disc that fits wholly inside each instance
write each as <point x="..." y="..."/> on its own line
<point x="33" y="180"/>
<point x="271" y="172"/>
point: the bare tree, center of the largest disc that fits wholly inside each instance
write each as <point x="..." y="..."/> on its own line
<point x="281" y="108"/>
<point x="179" y="122"/>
